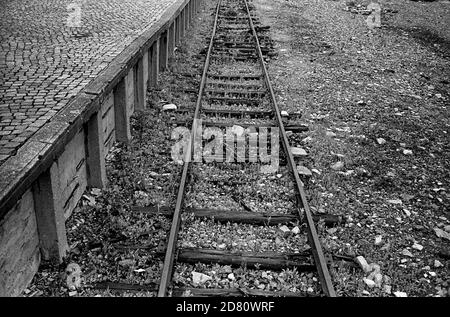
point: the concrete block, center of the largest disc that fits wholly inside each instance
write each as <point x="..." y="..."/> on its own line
<point x="122" y="113"/>
<point x="163" y="51"/>
<point x="145" y="69"/>
<point x="178" y="29"/>
<point x="189" y="14"/>
<point x="171" y="40"/>
<point x="139" y="85"/>
<point x="72" y="173"/>
<point x="48" y="200"/>
<point x="95" y="155"/>
<point x="108" y="122"/>
<point x="154" y="64"/>
<point x="19" y="247"/>
<point x="129" y="82"/>
<point x="182" y="23"/>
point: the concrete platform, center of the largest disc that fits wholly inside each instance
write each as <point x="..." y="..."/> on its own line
<point x="48" y="55"/>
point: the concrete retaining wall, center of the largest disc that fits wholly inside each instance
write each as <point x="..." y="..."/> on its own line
<point x="19" y="248"/>
<point x="42" y="184"/>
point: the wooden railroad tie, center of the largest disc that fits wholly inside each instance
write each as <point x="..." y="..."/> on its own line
<point x="234" y="216"/>
<point x="197" y="292"/>
<point x="261" y="260"/>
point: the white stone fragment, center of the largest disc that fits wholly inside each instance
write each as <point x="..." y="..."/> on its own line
<point x="378" y="239"/>
<point x="363" y="263"/>
<point x="297" y="152"/>
<point x="378" y="279"/>
<point x="169" y="106"/>
<point x="199" y="278"/>
<point x="302" y="170"/>
<point x="348" y="173"/>
<point x="73" y="276"/>
<point x="407" y="152"/>
<point x="395" y="201"/>
<point x="407" y="253"/>
<point x="369" y="282"/>
<point x="400" y="294"/>
<point x="238" y="130"/>
<point x="284" y="229"/>
<point x="332" y="230"/>
<point x="374" y="268"/>
<point x="337" y="166"/>
<point x="441" y="233"/>
<point x="307" y="139"/>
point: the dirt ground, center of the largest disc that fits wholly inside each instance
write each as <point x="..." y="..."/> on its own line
<point x="376" y="100"/>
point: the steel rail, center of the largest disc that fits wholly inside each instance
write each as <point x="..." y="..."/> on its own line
<point x="166" y="275"/>
<point x="319" y="258"/>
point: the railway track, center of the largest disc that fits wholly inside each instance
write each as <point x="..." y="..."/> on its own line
<point x="235" y="94"/>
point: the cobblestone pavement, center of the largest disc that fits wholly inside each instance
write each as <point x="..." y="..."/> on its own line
<point x="47" y="56"/>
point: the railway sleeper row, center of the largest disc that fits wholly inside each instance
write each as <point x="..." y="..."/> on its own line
<point x="234" y="216"/>
<point x="245" y="92"/>
<point x="197" y="292"/>
<point x="294" y="128"/>
<point x="233" y="86"/>
<point x="274" y="261"/>
<point x="231" y="113"/>
<point x="216" y="103"/>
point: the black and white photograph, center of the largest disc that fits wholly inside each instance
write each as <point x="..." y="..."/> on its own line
<point x="234" y="156"/>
